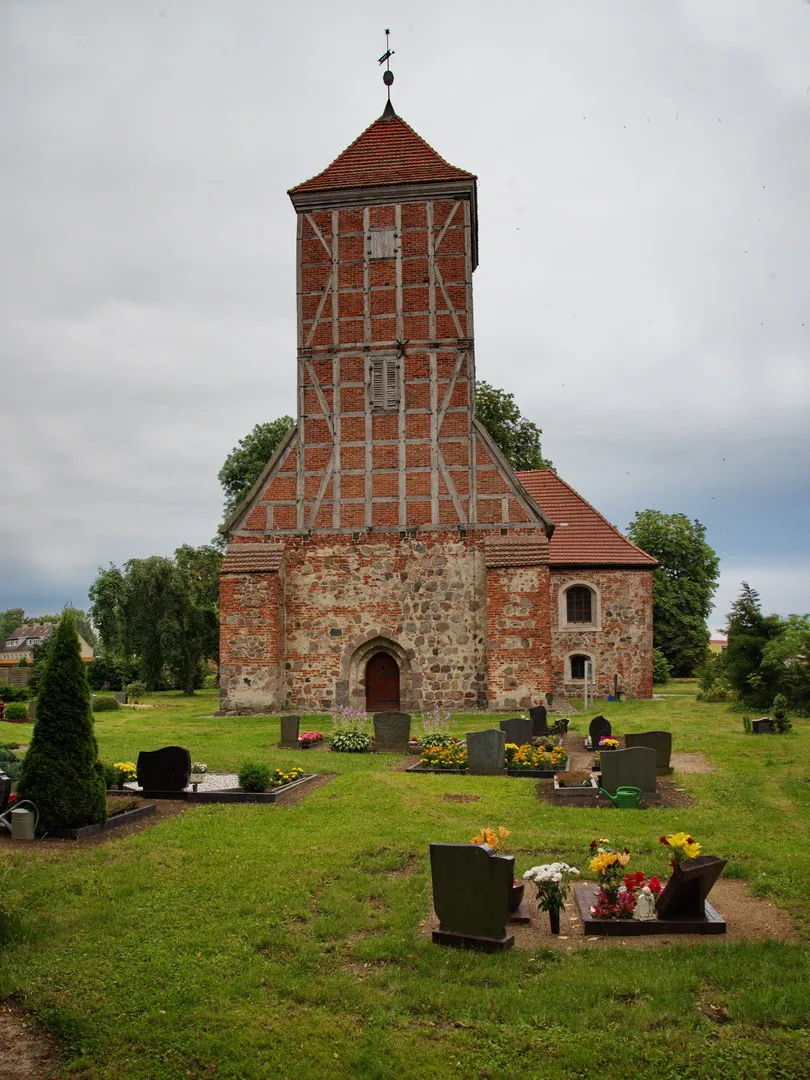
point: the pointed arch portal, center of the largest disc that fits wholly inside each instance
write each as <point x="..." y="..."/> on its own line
<point x="382" y="683"/>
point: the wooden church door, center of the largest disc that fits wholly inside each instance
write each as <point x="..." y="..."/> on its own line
<point x="382" y="683"/>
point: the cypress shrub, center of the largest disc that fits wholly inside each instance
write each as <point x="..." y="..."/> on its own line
<point x="61" y="772"/>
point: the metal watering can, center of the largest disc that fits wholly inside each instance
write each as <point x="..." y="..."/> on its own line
<point x="626" y="798"/>
<point x="23" y="823"/>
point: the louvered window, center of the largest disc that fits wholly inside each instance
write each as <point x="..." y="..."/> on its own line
<point x="381" y="244"/>
<point x="384" y="383"/>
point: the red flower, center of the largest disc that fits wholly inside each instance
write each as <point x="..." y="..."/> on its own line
<point x="12" y="798"/>
<point x="592" y="844"/>
<point x="663" y="840"/>
<point x="655" y="885"/>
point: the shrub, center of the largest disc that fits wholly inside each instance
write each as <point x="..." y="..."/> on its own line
<point x="13" y="693"/>
<point x="110" y="774"/>
<point x="61" y="772"/>
<point x="12" y="769"/>
<point x="254" y="776"/>
<point x="9" y="746"/>
<point x="17" y="710"/>
<point x="427" y="742"/>
<point x="105" y="704"/>
<point x="119" y="804"/>
<point x="350" y="740"/>
<point x="779" y="714"/>
<point x="661" y="672"/>
<point x="6" y="755"/>
<point x="135" y="691"/>
<point x="747" y="725"/>
<point x="720" y="691"/>
<point x="211" y="682"/>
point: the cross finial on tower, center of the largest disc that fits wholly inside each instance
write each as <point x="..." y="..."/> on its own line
<point x="388" y="75"/>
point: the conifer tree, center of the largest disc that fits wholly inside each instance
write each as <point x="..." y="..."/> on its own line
<point x="61" y="773"/>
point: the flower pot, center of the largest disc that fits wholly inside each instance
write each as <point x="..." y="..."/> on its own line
<point x="197" y="778"/>
<point x="517" y="895"/>
<point x="554" y="919"/>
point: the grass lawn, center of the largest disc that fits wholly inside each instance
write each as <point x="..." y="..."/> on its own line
<point x="248" y="942"/>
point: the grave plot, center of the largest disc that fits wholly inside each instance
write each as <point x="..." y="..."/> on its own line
<point x="487" y="753"/>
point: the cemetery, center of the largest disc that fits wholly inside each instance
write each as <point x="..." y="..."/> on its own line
<point x="342" y="887"/>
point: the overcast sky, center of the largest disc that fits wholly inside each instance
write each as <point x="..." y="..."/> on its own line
<point x="644" y="278"/>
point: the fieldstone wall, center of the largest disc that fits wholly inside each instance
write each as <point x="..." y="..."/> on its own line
<point x="251" y="642"/>
<point x="519" y="658"/>
<point x="624" y="641"/>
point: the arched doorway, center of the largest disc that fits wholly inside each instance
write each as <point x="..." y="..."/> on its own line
<point x="382" y="683"/>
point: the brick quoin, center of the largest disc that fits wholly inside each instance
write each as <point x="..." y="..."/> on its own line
<point x="388" y="520"/>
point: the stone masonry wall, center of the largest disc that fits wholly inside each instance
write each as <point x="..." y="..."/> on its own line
<point x="251" y="641"/>
<point x="623" y="644"/>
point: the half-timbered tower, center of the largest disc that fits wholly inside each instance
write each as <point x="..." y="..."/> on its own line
<point x="387" y="556"/>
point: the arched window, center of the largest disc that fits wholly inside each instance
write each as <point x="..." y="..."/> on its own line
<point x="578" y="663"/>
<point x="579" y="605"/>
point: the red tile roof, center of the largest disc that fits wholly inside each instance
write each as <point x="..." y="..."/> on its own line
<point x="388" y="152"/>
<point x="582" y="537"/>
<point x="516" y="550"/>
<point x="252" y="558"/>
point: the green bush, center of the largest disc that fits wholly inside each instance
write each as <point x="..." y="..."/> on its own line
<point x="427" y="742"/>
<point x="661" y="672"/>
<point x="254" y="776"/>
<point x="17" y="710"/>
<point x="110" y="774"/>
<point x="105" y="704"/>
<point x="6" y="755"/>
<point x="211" y="682"/>
<point x="779" y="714"/>
<point x="12" y="769"/>
<point x="13" y="693"/>
<point x="61" y="772"/>
<point x="351" y="740"/>
<point x="119" y="804"/>
<point x="135" y="691"/>
<point x="9" y="746"/>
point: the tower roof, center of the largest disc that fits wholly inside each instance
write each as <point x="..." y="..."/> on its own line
<point x="388" y="152"/>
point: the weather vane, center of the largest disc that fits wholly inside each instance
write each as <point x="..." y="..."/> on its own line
<point x="388" y="75"/>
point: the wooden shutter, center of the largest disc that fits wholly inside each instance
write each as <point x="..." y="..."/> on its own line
<point x="384" y="383"/>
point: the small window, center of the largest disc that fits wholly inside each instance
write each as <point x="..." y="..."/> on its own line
<point x="578" y="666"/>
<point x="384" y="383"/>
<point x="579" y="607"/>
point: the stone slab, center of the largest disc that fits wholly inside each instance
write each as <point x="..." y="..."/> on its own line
<point x="485" y="752"/>
<point x="392" y="732"/>
<point x="518" y="731"/>
<point x="538" y="715"/>
<point x="597" y="729"/>
<point x="167" y="769"/>
<point x="709" y="923"/>
<point x="289" y="732"/>
<point x="660" y="741"/>
<point x="472" y="892"/>
<point x="629" y="768"/>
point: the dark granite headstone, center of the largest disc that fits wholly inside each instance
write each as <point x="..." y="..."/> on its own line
<point x="5" y="791"/>
<point x="164" y="770"/>
<point x="597" y="729"/>
<point x="472" y="891"/>
<point x="629" y="768"/>
<point x="517" y="731"/>
<point x="121" y="697"/>
<point x="392" y="731"/>
<point x="289" y="732"/>
<point x="539" y="718"/>
<point x="485" y="752"/>
<point x="660" y="741"/>
<point x="685" y="894"/>
<point x="763" y="726"/>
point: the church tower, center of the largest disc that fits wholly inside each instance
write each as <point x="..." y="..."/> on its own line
<point x="387" y="531"/>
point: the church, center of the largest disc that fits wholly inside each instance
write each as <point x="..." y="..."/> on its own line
<point x="388" y="557"/>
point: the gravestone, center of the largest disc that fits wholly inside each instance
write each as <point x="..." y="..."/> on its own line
<point x="289" y="732"/>
<point x="517" y="731"/>
<point x="763" y="726"/>
<point x="485" y="752"/>
<point x="597" y="729"/>
<point x="121" y="698"/>
<point x="685" y="894"/>
<point x="539" y="718"/>
<point x="167" y="769"/>
<point x="660" y="741"/>
<point x="392" y="731"/>
<point x="629" y="768"/>
<point x="472" y="891"/>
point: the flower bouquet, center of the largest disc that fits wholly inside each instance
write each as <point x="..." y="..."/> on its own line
<point x="553" y="881"/>
<point x="308" y="738"/>
<point x="607" y="742"/>
<point x="608" y="865"/>
<point x="125" y="772"/>
<point x="681" y="846"/>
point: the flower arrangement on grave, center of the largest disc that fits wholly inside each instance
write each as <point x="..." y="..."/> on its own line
<point x="509" y="752"/>
<point x="575" y="778"/>
<point x="607" y="742"/>
<point x="308" y="737"/>
<point x="681" y="846"/>
<point x="279" y="777"/>
<point x="452" y="757"/>
<point x="125" y="771"/>
<point x="492" y="838"/>
<point x="199" y="768"/>
<point x="553" y="881"/>
<point x="537" y="757"/>
<point x="437" y="738"/>
<point x="351" y="740"/>
<point x="608" y="866"/>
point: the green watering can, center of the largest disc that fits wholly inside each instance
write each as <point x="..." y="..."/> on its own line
<point x="626" y="798"/>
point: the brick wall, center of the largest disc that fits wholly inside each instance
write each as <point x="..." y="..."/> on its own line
<point x="518" y="646"/>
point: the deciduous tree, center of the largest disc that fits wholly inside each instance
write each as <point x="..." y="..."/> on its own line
<point x="683" y="585"/>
